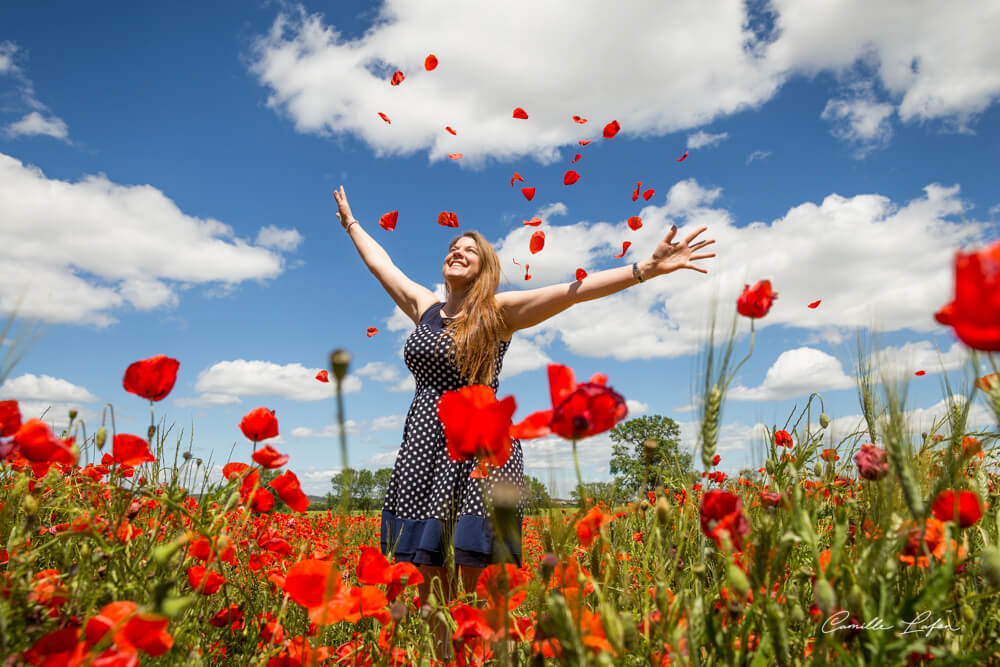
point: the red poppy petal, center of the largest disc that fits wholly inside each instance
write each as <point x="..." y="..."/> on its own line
<point x="455" y="156"/>
<point x="397" y="78"/>
<point x="815" y="304"/>
<point x="534" y="425"/>
<point x="430" y="62"/>
<point x="529" y="193"/>
<point x="449" y="130"/>
<point x="537" y="242"/>
<point x="921" y="373"/>
<point x="561" y="383"/>
<point x="635" y="222"/>
<point x="384" y="117"/>
<point x="372" y="331"/>
<point x="323" y="376"/>
<point x="648" y="193"/>
<point x="527" y="276"/>
<point x="520" y="113"/>
<point x="683" y="157"/>
<point x="534" y="222"/>
<point x="570" y="177"/>
<point x="580" y="274"/>
<point x="584" y="142"/>
<point x="575" y="158"/>
<point x="625" y="247"/>
<point x="388" y="221"/>
<point x="635" y="193"/>
<point x="515" y="177"/>
<point x="579" y="120"/>
<point x="515" y="261"/>
<point x="447" y="219"/>
<point x="611" y="129"/>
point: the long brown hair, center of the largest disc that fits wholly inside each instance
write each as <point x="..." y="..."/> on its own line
<point x="476" y="332"/>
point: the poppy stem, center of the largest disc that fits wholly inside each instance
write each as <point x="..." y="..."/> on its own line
<point x="579" y="478"/>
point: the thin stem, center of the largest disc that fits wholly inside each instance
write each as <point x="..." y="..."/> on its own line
<point x="579" y="477"/>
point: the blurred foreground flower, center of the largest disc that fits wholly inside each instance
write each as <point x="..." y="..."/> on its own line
<point x="476" y="424"/>
<point x="974" y="313"/>
<point x="578" y="411"/>
<point x="756" y="301"/>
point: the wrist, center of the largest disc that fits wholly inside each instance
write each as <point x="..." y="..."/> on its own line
<point x="645" y="269"/>
<point x="347" y="227"/>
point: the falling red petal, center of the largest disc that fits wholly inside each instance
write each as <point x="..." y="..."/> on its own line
<point x="388" y="221"/>
<point x="516" y="177"/>
<point x="579" y="120"/>
<point x="635" y="222"/>
<point x="580" y="274"/>
<point x="384" y="117"/>
<point x="323" y="376"/>
<point x="527" y="276"/>
<point x="814" y="304"/>
<point x="515" y="261"/>
<point x="537" y="242"/>
<point x="611" y="129"/>
<point x="625" y="247"/>
<point x="455" y="156"/>
<point x="635" y="193"/>
<point x="397" y="78"/>
<point x="921" y="373"/>
<point x="683" y="157"/>
<point x="430" y="62"/>
<point x="520" y="113"/>
<point x="575" y="158"/>
<point x="372" y="331"/>
<point x="584" y="142"/>
<point x="570" y="177"/>
<point x="534" y="222"/>
<point x="529" y="193"/>
<point x="648" y="193"/>
<point x="447" y="219"/>
<point x="448" y="129"/>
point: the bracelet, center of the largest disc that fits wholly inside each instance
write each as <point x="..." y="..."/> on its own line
<point x="635" y="272"/>
<point x="348" y="227"/>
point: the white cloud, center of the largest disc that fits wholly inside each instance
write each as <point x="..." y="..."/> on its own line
<point x="796" y="373"/>
<point x="45" y="388"/>
<point x="34" y="123"/>
<point x="108" y="245"/>
<point x="636" y="408"/>
<point x="904" y="361"/>
<point x="553" y="209"/>
<point x="206" y="400"/>
<point x="523" y="354"/>
<point x="918" y="420"/>
<point x="387" y="423"/>
<point x="380" y="371"/>
<point x="406" y="384"/>
<point x="56" y="413"/>
<point x="285" y="240"/>
<point x="758" y="155"/>
<point x="264" y="378"/>
<point x="686" y="64"/>
<point x="382" y="460"/>
<point x="351" y="427"/>
<point x="994" y="210"/>
<point x="702" y="139"/>
<point x="7" y="51"/>
<point x="860" y="121"/>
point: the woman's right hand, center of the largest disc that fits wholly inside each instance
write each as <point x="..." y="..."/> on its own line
<point x="343" y="208"/>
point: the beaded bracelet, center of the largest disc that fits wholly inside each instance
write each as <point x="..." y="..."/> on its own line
<point x="348" y="227"/>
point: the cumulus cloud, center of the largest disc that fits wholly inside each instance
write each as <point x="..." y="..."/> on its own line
<point x="636" y="408"/>
<point x="240" y="378"/>
<point x="34" y="123"/>
<point x="553" y="209"/>
<point x="45" y="388"/>
<point x="702" y="139"/>
<point x="285" y="240"/>
<point x="687" y="65"/>
<point x="108" y="246"/>
<point x="860" y="121"/>
<point x="351" y="427"/>
<point x="206" y="400"/>
<point x="7" y="50"/>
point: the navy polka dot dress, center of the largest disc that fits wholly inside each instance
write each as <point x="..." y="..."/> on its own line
<point x="431" y="497"/>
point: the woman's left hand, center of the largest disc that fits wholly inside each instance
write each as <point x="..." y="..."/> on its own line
<point x="671" y="255"/>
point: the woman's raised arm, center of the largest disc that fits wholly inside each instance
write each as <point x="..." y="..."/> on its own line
<point x="412" y="298"/>
<point x="526" y="308"/>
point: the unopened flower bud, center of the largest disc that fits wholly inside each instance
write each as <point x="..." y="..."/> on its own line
<point x="818" y="469"/>
<point x="340" y="361"/>
<point x="662" y="510"/>
<point x="72" y="415"/>
<point x="824" y="420"/>
<point x="150" y="432"/>
<point x="30" y="504"/>
<point x="826" y="600"/>
<point x="397" y="611"/>
<point x="187" y="456"/>
<point x="989" y="565"/>
<point x="737" y="580"/>
<point x="102" y="437"/>
<point x="769" y="466"/>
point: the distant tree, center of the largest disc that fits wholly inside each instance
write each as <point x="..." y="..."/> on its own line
<point x="638" y="467"/>
<point x="594" y="492"/>
<point x="536" y="495"/>
<point x="363" y="487"/>
<point x="382" y="476"/>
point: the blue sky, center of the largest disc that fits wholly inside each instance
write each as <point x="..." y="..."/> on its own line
<point x="166" y="180"/>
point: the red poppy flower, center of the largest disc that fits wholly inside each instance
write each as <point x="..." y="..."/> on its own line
<point x="259" y="424"/>
<point x="232" y="616"/>
<point x="611" y="129"/>
<point x="770" y="499"/>
<point x="373" y="568"/>
<point x="269" y="457"/>
<point x="975" y="310"/>
<point x="151" y="378"/>
<point x="829" y="454"/>
<point x="988" y="382"/>
<point x="648" y="193"/>
<point x="312" y="583"/>
<point x="288" y="489"/>
<point x="920" y="373"/>
<point x="476" y="424"/>
<point x="578" y="411"/>
<point x="579" y="120"/>
<point x="625" y="247"/>
<point x="448" y="219"/>
<point x="635" y="193"/>
<point x="575" y="158"/>
<point x="10" y="418"/>
<point x="871" y="462"/>
<point x="397" y="78"/>
<point x="148" y="633"/>
<point x="529" y="193"/>
<point x="384" y="117"/>
<point x="815" y="304"/>
<point x="261" y="501"/>
<point x="430" y="62"/>
<point x="516" y="177"/>
<point x="635" y="222"/>
<point x="37" y="443"/>
<point x="584" y="142"/>
<point x="970" y="509"/>
<point x="534" y="222"/>
<point x="721" y="511"/>
<point x="388" y="221"/>
<point x="570" y="177"/>
<point x="130" y="450"/>
<point x="323" y="376"/>
<point x="757" y="300"/>
<point x="783" y="439"/>
<point x="206" y="582"/>
<point x="537" y="242"/>
<point x="683" y="157"/>
<point x="371" y="331"/>
<point x="520" y="113"/>
<point x="449" y="130"/>
<point x="943" y="316"/>
<point x="455" y="156"/>
<point x="589" y="527"/>
<point x="580" y="274"/>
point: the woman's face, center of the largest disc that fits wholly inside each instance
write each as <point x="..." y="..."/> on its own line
<point x="461" y="264"/>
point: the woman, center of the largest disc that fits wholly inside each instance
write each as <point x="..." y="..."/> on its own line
<point x="462" y="341"/>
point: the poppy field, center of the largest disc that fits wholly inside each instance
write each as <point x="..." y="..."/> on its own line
<point x="880" y="548"/>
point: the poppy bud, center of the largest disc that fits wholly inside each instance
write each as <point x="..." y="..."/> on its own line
<point x="30" y="504"/>
<point x="614" y="629"/>
<point x="818" y="469"/>
<point x="72" y="415"/>
<point x="989" y="565"/>
<point x="824" y="420"/>
<point x="397" y="611"/>
<point x="102" y="437"/>
<point x="662" y="510"/>
<point x="549" y="563"/>
<point x="150" y="432"/>
<point x="825" y="598"/>
<point x="340" y="361"/>
<point x="967" y="613"/>
<point x="174" y="607"/>
<point x="187" y="456"/>
<point x="737" y="581"/>
<point x="856" y="599"/>
<point x="797" y="616"/>
<point x="769" y="466"/>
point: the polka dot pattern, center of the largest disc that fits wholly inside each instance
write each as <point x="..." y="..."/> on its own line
<point x="425" y="483"/>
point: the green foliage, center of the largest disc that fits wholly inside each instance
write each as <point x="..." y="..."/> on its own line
<point x="639" y="468"/>
<point x="366" y="489"/>
<point x="536" y="495"/>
